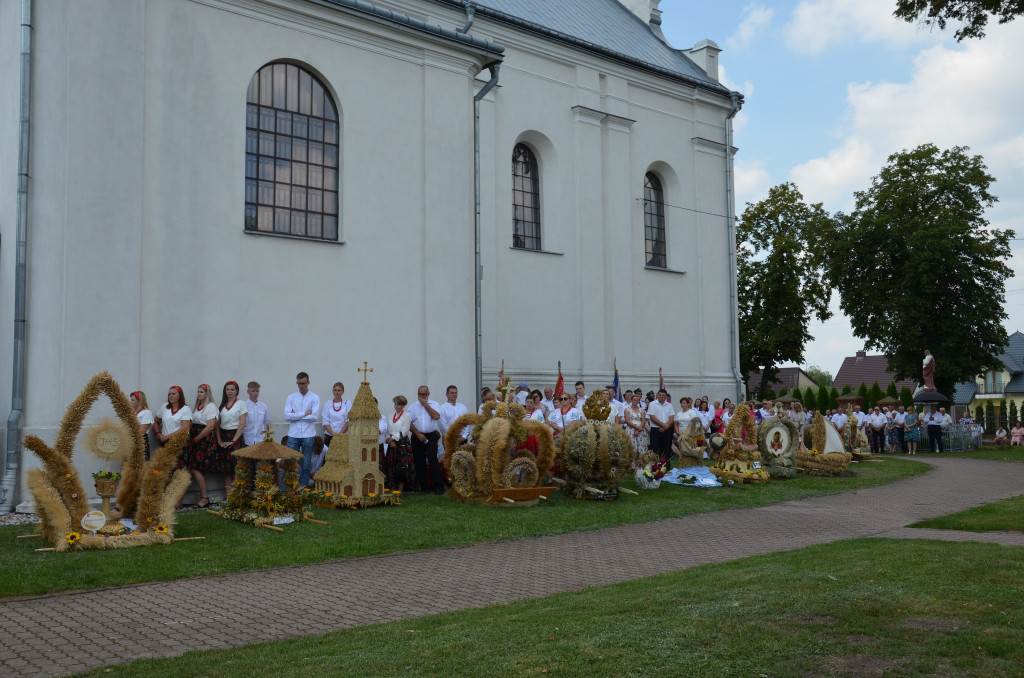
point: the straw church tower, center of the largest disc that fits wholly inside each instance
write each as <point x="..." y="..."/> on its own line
<point x="351" y="467"/>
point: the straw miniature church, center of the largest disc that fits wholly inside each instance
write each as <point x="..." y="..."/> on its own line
<point x="351" y="466"/>
<point x="206" y="190"/>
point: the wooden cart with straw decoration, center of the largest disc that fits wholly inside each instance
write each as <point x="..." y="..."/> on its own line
<point x="256" y="498"/>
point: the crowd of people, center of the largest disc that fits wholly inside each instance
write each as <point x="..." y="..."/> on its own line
<point x="411" y="437"/>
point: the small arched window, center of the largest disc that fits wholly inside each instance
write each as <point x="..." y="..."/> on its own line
<point x="654" y="222"/>
<point x="291" y="154"/>
<point x="525" y="199"/>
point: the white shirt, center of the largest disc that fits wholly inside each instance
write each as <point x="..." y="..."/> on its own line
<point x="684" y="417"/>
<point x="204" y="415"/>
<point x="862" y="417"/>
<point x="144" y="416"/>
<point x="900" y="418"/>
<point x="335" y="418"/>
<point x="663" y="413"/>
<point x="726" y="416"/>
<point x="421" y="419"/>
<point x="520" y="397"/>
<point x="706" y="418"/>
<point x="449" y="413"/>
<point x="382" y="426"/>
<point x="255" y="421"/>
<point x="839" y="419"/>
<point x="399" y="428"/>
<point x="563" y="419"/>
<point x="933" y="419"/>
<point x="172" y="421"/>
<point x="947" y="421"/>
<point x="230" y="416"/>
<point x="878" y="420"/>
<point x="548" y="405"/>
<point x="538" y="415"/>
<point x="302" y="425"/>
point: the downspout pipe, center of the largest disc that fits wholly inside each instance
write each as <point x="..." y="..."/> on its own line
<point x="470" y="11"/>
<point x="10" y="484"/>
<point x="478" y="267"/>
<point x="737" y="104"/>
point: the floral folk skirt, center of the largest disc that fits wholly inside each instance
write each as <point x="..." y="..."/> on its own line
<point x="206" y="455"/>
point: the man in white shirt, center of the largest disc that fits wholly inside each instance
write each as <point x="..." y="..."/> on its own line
<point x="862" y="418"/>
<point x="451" y="410"/>
<point x="617" y="405"/>
<point x="839" y="419"/>
<point x="947" y="420"/>
<point x="301" y="410"/>
<point x="259" y="417"/>
<point x="522" y="391"/>
<point x="934" y="422"/>
<point x="899" y="418"/>
<point x="876" y="430"/>
<point x="547" y="403"/>
<point x="581" y="391"/>
<point x="425" y="416"/>
<point x="660" y="413"/>
<point x="486" y="396"/>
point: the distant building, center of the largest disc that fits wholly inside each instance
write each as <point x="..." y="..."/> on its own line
<point x="999" y="384"/>
<point x="867" y="369"/>
<point x="788" y="378"/>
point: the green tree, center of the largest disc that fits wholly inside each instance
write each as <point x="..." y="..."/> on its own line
<point x="906" y="397"/>
<point x="783" y="391"/>
<point x="971" y="15"/>
<point x="979" y="415"/>
<point x="833" y="397"/>
<point x="810" y="401"/>
<point x="875" y="394"/>
<point x="1003" y="414"/>
<point x="925" y="209"/>
<point x="990" y="418"/>
<point x="820" y="376"/>
<point x="862" y="391"/>
<point x="781" y="276"/>
<point x="847" y="389"/>
<point x="890" y="390"/>
<point x="823" y="400"/>
<point x="1013" y="412"/>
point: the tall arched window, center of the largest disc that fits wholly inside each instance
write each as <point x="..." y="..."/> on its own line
<point x="654" y="222"/>
<point x="525" y="199"/>
<point x="291" y="154"/>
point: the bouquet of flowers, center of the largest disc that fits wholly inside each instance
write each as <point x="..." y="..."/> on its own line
<point x="648" y="476"/>
<point x="107" y="475"/>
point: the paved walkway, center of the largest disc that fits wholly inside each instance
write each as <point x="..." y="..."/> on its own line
<point x="67" y="632"/>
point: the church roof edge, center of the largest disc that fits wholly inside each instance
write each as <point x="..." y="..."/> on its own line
<point x="672" y="59"/>
<point x="363" y="7"/>
<point x="363" y="405"/>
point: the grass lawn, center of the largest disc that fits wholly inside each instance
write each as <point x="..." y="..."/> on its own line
<point x="1001" y="515"/>
<point x="998" y="453"/>
<point x="422" y="522"/>
<point x="862" y="607"/>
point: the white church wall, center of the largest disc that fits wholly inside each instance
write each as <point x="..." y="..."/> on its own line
<point x="138" y="262"/>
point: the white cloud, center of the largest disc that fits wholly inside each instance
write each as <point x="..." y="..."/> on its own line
<point x="746" y="89"/>
<point x="818" y="24"/>
<point x="960" y="96"/>
<point x="752" y="182"/>
<point x="756" y="18"/>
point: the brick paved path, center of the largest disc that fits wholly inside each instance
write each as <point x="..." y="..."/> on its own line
<point x="41" y="635"/>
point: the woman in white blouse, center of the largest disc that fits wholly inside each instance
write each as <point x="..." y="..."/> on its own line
<point x="202" y="454"/>
<point x="335" y="414"/>
<point x="397" y="460"/>
<point x="706" y="416"/>
<point x="142" y="415"/>
<point x="230" y="425"/>
<point x="172" y="416"/>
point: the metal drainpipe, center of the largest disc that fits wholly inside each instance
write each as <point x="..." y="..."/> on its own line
<point x="731" y="215"/>
<point x="470" y="11"/>
<point x="9" y="485"/>
<point x="479" y="271"/>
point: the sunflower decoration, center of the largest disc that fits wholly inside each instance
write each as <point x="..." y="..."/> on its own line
<point x="161" y="529"/>
<point x="72" y="538"/>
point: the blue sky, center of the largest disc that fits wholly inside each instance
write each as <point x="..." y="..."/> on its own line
<point x="834" y="86"/>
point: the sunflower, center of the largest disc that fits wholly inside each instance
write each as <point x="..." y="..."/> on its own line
<point x="72" y="538"/>
<point x="161" y="529"/>
<point x="372" y="495"/>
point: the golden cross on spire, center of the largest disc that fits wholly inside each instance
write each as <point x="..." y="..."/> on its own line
<point x="508" y="389"/>
<point x="268" y="434"/>
<point x="365" y="370"/>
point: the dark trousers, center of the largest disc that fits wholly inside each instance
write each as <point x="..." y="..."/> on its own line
<point x="661" y="442"/>
<point x="423" y="454"/>
<point x="877" y="439"/>
<point x="934" y="438"/>
<point x="902" y="439"/>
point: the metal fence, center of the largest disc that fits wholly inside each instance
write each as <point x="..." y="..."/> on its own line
<point x="959" y="438"/>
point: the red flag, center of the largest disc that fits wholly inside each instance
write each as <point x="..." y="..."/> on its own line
<point x="560" y="384"/>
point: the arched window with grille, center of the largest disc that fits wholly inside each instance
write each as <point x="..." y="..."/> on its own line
<point x="654" y="222"/>
<point x="525" y="199"/>
<point x="292" y="140"/>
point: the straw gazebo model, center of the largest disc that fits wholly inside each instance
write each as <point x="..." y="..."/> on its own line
<point x="256" y="497"/>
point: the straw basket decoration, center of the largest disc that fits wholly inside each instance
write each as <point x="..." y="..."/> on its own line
<point x="777" y="440"/>
<point x="149" y="489"/>
<point x="740" y="460"/>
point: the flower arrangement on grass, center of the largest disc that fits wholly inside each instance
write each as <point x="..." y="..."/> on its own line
<point x="648" y="476"/>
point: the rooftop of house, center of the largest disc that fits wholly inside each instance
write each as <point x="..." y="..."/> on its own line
<point x="867" y="369"/>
